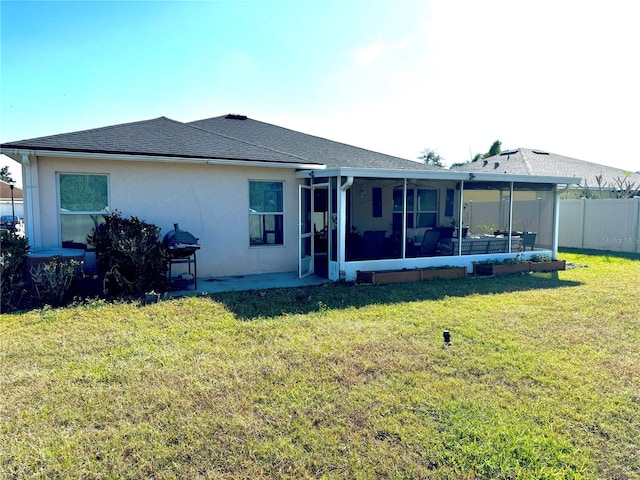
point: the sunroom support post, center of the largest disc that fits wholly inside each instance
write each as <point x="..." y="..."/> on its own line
<point x="460" y="212"/>
<point x="404" y="217"/>
<point x="342" y="222"/>
<point x="510" y="216"/>
<point x="556" y="223"/>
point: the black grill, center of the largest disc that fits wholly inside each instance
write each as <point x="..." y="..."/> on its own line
<point x="180" y="243"/>
<point x="182" y="247"/>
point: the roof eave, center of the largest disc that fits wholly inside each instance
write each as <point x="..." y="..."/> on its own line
<point x="441" y="175"/>
<point x="18" y="153"/>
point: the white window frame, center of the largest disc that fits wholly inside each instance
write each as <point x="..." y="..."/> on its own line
<point x="417" y="212"/>
<point x="60" y="211"/>
<point x="260" y="214"/>
<point x="412" y="210"/>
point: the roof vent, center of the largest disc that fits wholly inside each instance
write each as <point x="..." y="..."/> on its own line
<point x="235" y="116"/>
<point x="485" y="162"/>
<point x="540" y="152"/>
<point x="496" y="165"/>
<point x="508" y="152"/>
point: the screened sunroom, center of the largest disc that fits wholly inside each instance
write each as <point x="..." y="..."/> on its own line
<point x="369" y="220"/>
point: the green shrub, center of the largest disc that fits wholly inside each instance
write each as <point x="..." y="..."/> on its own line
<point x="52" y="280"/>
<point x="13" y="251"/>
<point x="130" y="255"/>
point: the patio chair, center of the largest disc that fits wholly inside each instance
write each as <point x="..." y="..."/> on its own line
<point x="373" y="244"/>
<point x="528" y="240"/>
<point x="429" y="243"/>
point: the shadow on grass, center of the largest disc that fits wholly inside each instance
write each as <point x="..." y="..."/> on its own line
<point x="601" y="253"/>
<point x="251" y="305"/>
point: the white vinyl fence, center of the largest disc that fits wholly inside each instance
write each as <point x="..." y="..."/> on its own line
<point x="600" y="224"/>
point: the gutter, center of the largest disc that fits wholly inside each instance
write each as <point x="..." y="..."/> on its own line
<point x="441" y="175"/>
<point x="18" y="154"/>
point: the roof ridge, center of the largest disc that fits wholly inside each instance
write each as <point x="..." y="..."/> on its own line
<point x="525" y="160"/>
<point x="211" y="132"/>
<point x="297" y="132"/>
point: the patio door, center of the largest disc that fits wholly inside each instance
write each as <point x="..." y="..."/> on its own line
<point x="305" y="231"/>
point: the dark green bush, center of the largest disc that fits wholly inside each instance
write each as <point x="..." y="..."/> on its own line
<point x="130" y="254"/>
<point x="13" y="251"/>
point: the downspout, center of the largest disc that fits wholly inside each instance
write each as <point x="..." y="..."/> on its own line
<point x="32" y="200"/>
<point x="342" y="224"/>
<point x="347" y="184"/>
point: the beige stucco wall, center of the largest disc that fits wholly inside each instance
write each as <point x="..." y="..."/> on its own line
<point x="210" y="201"/>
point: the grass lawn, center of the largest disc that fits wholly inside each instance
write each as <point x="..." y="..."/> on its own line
<point x="541" y="380"/>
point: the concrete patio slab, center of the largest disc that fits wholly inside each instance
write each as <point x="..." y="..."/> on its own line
<point x="238" y="283"/>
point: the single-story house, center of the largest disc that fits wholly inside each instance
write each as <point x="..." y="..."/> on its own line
<point x="599" y="181"/>
<point x="263" y="198"/>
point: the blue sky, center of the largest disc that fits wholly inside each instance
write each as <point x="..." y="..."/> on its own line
<point x="393" y="76"/>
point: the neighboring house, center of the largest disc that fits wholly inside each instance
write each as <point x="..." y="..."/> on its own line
<point x="263" y="198"/>
<point x="597" y="180"/>
<point x="7" y="206"/>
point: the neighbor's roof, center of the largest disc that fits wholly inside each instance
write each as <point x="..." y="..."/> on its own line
<point x="526" y="161"/>
<point x="309" y="147"/>
<point x="5" y="191"/>
<point x="158" y="137"/>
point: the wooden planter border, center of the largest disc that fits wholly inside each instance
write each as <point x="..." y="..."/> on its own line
<point x="485" y="269"/>
<point x="551" y="266"/>
<point x="414" y="275"/>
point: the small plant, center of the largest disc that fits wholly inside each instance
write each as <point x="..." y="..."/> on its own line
<point x="540" y="258"/>
<point x="130" y="254"/>
<point x="52" y="280"/>
<point x="505" y="261"/>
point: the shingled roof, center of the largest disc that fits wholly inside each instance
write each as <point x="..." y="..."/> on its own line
<point x="5" y="191"/>
<point x="309" y="147"/>
<point x="526" y="161"/>
<point x="233" y="137"/>
<point x="157" y="137"/>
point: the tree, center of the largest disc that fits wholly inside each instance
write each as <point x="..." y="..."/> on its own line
<point x="430" y="157"/>
<point x="5" y="175"/>
<point x="494" y="149"/>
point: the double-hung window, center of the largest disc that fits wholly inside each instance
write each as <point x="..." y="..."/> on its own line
<point x="422" y="208"/>
<point x="84" y="199"/>
<point x="266" y="213"/>
<point x="426" y="207"/>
